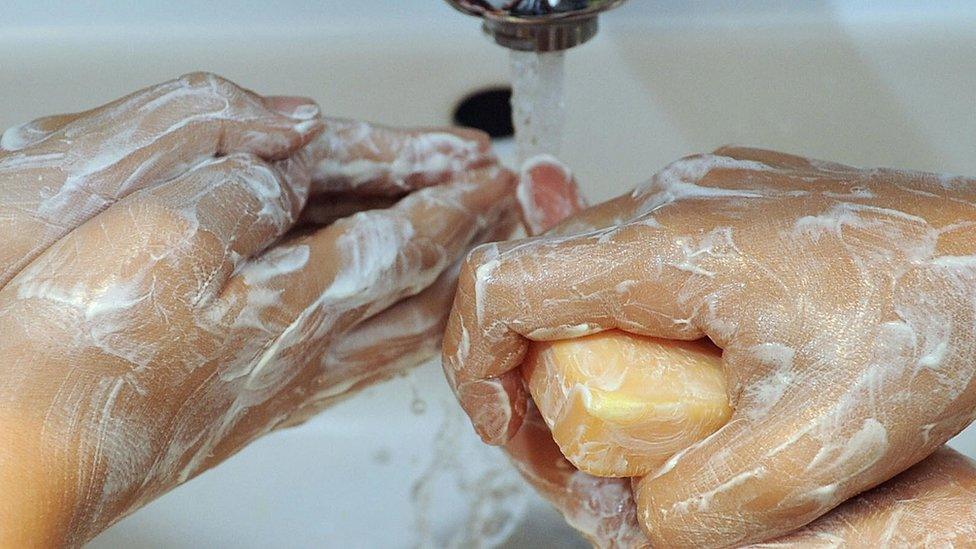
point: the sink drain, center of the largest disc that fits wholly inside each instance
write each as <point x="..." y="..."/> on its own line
<point x="488" y="110"/>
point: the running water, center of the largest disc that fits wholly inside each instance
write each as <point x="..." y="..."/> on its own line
<point x="538" y="108"/>
<point x="472" y="484"/>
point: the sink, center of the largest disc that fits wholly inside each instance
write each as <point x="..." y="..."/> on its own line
<point x="398" y="466"/>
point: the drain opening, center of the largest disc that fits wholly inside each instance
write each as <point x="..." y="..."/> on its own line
<point x="488" y="110"/>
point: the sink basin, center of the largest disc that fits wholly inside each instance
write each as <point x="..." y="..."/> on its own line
<point x="398" y="466"/>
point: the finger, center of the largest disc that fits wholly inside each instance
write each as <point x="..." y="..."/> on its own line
<point x="211" y="115"/>
<point x="393" y="341"/>
<point x="616" y="211"/>
<point x="790" y="454"/>
<point x="360" y="265"/>
<point x="352" y="156"/>
<point x="601" y="509"/>
<point x="782" y="160"/>
<point x="409" y="330"/>
<point x="547" y="194"/>
<point x="551" y="202"/>
<point x="134" y="143"/>
<point x="325" y="208"/>
<point x="328" y="208"/>
<point x="406" y="334"/>
<point x="929" y="505"/>
<point x="35" y="131"/>
<point x="214" y="116"/>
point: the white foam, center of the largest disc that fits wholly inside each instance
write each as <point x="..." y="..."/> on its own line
<point x="482" y="275"/>
<point x="568" y="331"/>
<point x="369" y="250"/>
<point x="18" y="137"/>
<point x="276" y="262"/>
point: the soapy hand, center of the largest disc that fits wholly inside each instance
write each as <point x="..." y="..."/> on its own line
<point x="929" y="505"/>
<point x="933" y="504"/>
<point x="843" y="300"/>
<point x="194" y="265"/>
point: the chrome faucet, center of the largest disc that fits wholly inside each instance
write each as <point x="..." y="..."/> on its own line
<point x="538" y="25"/>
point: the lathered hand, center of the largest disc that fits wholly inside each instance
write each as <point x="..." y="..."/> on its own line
<point x="166" y="296"/>
<point x="843" y="300"/>
<point x="933" y="504"/>
<point x="929" y="505"/>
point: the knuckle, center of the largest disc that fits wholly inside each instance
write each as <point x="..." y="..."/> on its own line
<point x="468" y="276"/>
<point x="477" y="259"/>
<point x="148" y="226"/>
<point x="166" y="233"/>
<point x="237" y="162"/>
<point x="212" y="86"/>
<point x="265" y="185"/>
<point x="192" y="95"/>
<point x="250" y="174"/>
<point x="159" y="216"/>
<point x="690" y="168"/>
<point x="205" y="81"/>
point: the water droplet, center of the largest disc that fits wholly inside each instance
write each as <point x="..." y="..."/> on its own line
<point x="418" y="406"/>
<point x="382" y="456"/>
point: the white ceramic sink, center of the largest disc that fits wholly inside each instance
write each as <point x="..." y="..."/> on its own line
<point x="851" y="81"/>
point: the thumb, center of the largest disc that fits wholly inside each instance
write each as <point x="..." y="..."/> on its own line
<point x="601" y="509"/>
<point x="547" y="194"/>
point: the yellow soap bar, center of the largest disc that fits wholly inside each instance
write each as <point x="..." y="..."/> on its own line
<point x="619" y="405"/>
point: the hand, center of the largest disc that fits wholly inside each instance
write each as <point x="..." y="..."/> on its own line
<point x="930" y="504"/>
<point x="843" y="300"/>
<point x="166" y="297"/>
<point x="602" y="510"/>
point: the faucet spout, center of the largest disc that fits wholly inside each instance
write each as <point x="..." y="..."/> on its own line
<point x="538" y="25"/>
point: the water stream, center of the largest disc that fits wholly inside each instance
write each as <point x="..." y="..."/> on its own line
<point x="538" y="106"/>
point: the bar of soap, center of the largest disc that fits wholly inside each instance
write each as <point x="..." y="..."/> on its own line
<point x="620" y="405"/>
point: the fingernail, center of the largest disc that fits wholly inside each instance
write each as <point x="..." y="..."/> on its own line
<point x="297" y="108"/>
<point x="308" y="126"/>
<point x="307" y="111"/>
